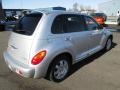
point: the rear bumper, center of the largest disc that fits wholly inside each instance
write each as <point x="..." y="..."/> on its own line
<point x="18" y="67"/>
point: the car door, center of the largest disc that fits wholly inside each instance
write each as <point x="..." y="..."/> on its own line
<point x="77" y="37"/>
<point x="95" y="33"/>
<point x="70" y="29"/>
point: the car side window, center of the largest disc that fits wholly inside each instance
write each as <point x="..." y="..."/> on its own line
<point x="58" y="25"/>
<point x="74" y="23"/>
<point x="68" y="23"/>
<point x="90" y="23"/>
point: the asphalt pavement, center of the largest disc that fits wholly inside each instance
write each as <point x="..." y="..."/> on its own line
<point x="101" y="71"/>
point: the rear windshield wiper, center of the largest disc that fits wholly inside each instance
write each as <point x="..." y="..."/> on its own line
<point x="23" y="31"/>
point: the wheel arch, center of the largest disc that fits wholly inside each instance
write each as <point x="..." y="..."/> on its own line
<point x="60" y="54"/>
<point x="111" y="36"/>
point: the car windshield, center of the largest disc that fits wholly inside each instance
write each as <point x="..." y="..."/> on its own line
<point x="97" y="14"/>
<point x="27" y="24"/>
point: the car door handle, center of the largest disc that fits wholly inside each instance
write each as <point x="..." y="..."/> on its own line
<point x="92" y="34"/>
<point x="67" y="38"/>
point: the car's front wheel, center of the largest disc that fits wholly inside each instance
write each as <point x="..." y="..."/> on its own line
<point x="60" y="69"/>
<point x="118" y="21"/>
<point x="108" y="44"/>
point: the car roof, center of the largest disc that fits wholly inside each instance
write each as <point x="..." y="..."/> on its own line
<point x="97" y="13"/>
<point x="56" y="12"/>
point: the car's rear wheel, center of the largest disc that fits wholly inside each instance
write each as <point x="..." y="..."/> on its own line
<point x="59" y="69"/>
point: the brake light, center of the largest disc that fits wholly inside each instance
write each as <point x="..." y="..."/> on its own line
<point x="38" y="57"/>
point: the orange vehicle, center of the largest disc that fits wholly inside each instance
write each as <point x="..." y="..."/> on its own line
<point x="99" y="17"/>
<point x="100" y="20"/>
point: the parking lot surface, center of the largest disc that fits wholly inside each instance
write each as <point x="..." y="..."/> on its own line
<point x="101" y="71"/>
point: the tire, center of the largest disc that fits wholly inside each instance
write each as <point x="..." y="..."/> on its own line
<point x="59" y="69"/>
<point x="118" y="21"/>
<point x="108" y="44"/>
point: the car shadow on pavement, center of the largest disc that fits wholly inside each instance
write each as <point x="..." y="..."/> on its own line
<point x="88" y="60"/>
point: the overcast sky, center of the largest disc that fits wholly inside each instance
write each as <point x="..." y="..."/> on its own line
<point x="31" y="4"/>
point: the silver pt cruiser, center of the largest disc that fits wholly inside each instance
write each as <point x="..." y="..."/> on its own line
<point x="47" y="43"/>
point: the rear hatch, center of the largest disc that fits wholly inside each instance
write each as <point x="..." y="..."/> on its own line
<point x="22" y="36"/>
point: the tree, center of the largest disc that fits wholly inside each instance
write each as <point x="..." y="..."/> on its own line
<point x="1" y="10"/>
<point x="88" y="8"/>
<point x="81" y="7"/>
<point x="75" y="6"/>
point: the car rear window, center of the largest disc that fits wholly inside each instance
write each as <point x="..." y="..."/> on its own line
<point x="27" y="24"/>
<point x="97" y="14"/>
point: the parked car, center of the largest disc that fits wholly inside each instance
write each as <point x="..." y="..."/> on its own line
<point x="8" y="23"/>
<point x="99" y="17"/>
<point x="118" y="21"/>
<point x="48" y="43"/>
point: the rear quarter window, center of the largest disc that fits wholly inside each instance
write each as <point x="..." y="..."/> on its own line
<point x="27" y="24"/>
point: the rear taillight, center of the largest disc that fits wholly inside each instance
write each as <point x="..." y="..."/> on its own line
<point x="38" y="57"/>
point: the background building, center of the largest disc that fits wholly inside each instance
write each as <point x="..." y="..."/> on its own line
<point x="111" y="8"/>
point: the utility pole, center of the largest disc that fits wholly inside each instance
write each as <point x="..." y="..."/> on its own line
<point x="1" y="11"/>
<point x="2" y="17"/>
